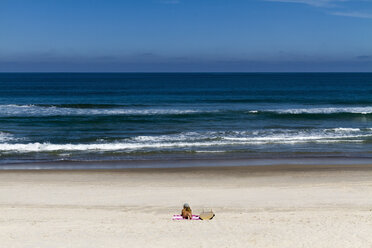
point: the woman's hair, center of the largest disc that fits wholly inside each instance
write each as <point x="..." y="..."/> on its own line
<point x="186" y="206"/>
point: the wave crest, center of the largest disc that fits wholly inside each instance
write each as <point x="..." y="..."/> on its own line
<point x="4" y="137"/>
<point x="326" y="110"/>
<point x="13" y="110"/>
<point x="210" y="140"/>
<point x="37" y="110"/>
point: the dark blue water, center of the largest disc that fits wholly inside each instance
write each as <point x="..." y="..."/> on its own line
<point x="85" y="117"/>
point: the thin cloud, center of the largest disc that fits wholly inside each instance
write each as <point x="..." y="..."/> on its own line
<point x="316" y="3"/>
<point x="355" y="14"/>
<point x="339" y="7"/>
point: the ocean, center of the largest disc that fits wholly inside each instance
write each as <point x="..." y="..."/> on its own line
<point x="123" y="117"/>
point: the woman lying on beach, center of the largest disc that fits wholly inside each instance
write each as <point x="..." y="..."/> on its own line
<point x="186" y="212"/>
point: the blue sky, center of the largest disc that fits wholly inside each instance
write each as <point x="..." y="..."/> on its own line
<point x="185" y="35"/>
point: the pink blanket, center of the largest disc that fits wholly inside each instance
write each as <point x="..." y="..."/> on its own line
<point x="179" y="217"/>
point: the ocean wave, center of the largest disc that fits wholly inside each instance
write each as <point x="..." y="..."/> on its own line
<point x="12" y="110"/>
<point x="4" y="137"/>
<point x="128" y="147"/>
<point x="261" y="135"/>
<point x="342" y="129"/>
<point x="325" y="110"/>
<point x="86" y="105"/>
<point x="210" y="140"/>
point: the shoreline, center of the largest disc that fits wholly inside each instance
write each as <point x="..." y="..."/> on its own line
<point x="277" y="168"/>
<point x="179" y="164"/>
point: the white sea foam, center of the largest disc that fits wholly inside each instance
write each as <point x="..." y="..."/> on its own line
<point x="342" y="129"/>
<point x="209" y="140"/>
<point x="34" y="110"/>
<point x="4" y="137"/>
<point x="187" y="136"/>
<point x="326" y="110"/>
<point x="127" y="147"/>
<point x="207" y="151"/>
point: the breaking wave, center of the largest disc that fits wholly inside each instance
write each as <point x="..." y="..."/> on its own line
<point x="194" y="140"/>
<point x="326" y="110"/>
<point x="4" y="137"/>
<point x="13" y="110"/>
<point x="36" y="110"/>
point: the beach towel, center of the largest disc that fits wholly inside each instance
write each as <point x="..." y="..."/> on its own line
<point x="179" y="217"/>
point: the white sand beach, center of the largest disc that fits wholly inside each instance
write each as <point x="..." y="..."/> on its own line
<point x="272" y="206"/>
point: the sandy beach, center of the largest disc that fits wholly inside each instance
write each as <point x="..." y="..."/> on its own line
<point x="266" y="206"/>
